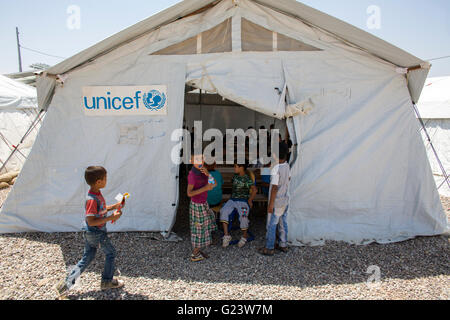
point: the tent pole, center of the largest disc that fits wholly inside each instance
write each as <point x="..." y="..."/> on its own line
<point x="33" y="124"/>
<point x="18" y="49"/>
<point x="446" y="177"/>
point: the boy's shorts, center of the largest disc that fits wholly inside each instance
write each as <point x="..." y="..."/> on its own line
<point x="242" y="208"/>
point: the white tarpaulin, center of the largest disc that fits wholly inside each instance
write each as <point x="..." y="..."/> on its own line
<point x="18" y="110"/>
<point x="338" y="29"/>
<point x="16" y="95"/>
<point x="361" y="173"/>
<point x="134" y="149"/>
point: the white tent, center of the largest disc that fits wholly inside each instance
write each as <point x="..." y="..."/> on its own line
<point x="18" y="110"/>
<point x="359" y="173"/>
<point x="434" y="109"/>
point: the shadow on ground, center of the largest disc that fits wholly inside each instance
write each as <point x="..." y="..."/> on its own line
<point x="139" y="255"/>
<point x="335" y="263"/>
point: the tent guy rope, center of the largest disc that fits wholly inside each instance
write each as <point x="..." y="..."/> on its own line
<point x="16" y="148"/>
<point x="446" y="177"/>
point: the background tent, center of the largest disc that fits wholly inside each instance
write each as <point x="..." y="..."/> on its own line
<point x="18" y="110"/>
<point x="359" y="172"/>
<point x="434" y="108"/>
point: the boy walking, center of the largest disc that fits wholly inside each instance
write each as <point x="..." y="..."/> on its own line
<point x="95" y="232"/>
<point x="278" y="205"/>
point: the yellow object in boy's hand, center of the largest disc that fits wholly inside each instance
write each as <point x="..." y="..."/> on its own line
<point x="121" y="199"/>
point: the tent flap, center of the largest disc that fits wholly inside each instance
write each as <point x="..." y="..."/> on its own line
<point x="254" y="83"/>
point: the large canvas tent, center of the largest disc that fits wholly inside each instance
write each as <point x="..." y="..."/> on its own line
<point x="18" y="111"/>
<point x="434" y="109"/>
<point x="359" y="173"/>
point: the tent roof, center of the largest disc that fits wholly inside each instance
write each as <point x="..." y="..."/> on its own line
<point x="434" y="102"/>
<point x="27" y="77"/>
<point x="341" y="29"/>
<point x="16" y="95"/>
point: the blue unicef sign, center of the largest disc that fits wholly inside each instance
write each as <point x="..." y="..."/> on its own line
<point x="125" y="100"/>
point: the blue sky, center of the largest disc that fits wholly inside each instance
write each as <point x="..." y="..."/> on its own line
<point x="419" y="27"/>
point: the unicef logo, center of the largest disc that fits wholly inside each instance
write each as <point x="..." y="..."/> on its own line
<point x="154" y="100"/>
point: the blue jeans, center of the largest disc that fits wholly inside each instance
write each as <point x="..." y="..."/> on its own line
<point x="92" y="240"/>
<point x="274" y="221"/>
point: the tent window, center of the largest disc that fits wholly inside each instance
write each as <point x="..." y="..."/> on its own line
<point x="217" y="39"/>
<point x="285" y="43"/>
<point x="255" y="37"/>
<point x="188" y="46"/>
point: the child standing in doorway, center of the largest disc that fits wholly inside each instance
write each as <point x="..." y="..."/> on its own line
<point x="278" y="204"/>
<point x="201" y="217"/>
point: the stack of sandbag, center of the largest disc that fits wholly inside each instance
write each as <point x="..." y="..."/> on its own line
<point x="8" y="179"/>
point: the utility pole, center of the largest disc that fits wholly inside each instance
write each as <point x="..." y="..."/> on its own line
<point x="18" y="49"/>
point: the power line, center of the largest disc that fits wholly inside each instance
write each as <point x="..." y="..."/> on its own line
<point x="43" y="53"/>
<point x="439" y="58"/>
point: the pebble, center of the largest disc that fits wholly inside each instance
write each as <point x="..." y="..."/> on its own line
<point x="32" y="264"/>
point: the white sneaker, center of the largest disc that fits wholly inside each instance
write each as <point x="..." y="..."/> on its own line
<point x="242" y="242"/>
<point x="226" y="241"/>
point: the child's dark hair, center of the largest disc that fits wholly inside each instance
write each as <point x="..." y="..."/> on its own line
<point x="283" y="151"/>
<point x="93" y="174"/>
<point x="244" y="165"/>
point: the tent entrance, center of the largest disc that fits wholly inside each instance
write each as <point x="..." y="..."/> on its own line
<point x="216" y="112"/>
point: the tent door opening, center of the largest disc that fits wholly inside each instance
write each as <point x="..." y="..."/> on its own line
<point x="215" y="112"/>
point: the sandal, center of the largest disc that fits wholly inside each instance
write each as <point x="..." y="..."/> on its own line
<point x="205" y="255"/>
<point x="266" y="252"/>
<point x="197" y="257"/>
<point x="242" y="242"/>
<point x="282" y="249"/>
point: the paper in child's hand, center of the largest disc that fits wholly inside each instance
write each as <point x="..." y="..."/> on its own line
<point x="121" y="197"/>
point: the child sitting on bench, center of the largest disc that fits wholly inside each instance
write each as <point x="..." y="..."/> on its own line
<point x="242" y="195"/>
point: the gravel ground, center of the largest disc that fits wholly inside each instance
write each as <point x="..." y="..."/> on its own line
<point x="32" y="263"/>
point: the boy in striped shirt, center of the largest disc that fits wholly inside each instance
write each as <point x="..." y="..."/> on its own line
<point x="95" y="232"/>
